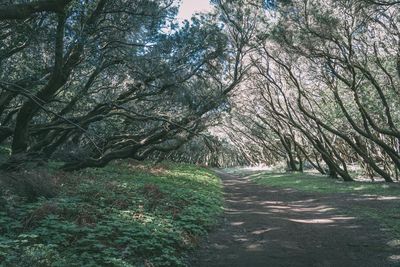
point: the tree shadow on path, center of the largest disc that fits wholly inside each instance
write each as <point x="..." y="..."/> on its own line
<point x="266" y="226"/>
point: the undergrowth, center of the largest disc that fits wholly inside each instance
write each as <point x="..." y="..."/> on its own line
<point x="120" y="215"/>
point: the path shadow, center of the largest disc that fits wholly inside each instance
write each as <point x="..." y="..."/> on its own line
<point x="283" y="227"/>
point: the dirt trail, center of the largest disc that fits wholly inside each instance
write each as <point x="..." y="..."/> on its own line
<point x="282" y="227"/>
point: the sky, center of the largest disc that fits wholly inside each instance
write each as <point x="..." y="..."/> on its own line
<point x="189" y="7"/>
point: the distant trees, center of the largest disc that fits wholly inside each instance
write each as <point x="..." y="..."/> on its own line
<point x="326" y="77"/>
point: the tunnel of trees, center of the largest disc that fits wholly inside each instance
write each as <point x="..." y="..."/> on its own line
<point x="314" y="84"/>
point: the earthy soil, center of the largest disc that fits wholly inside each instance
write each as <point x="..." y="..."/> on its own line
<point x="265" y="226"/>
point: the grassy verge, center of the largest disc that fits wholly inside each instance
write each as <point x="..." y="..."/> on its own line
<point x="121" y="215"/>
<point x="388" y="214"/>
<point x="322" y="184"/>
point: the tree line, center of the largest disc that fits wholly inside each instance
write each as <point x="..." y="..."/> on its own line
<point x="93" y="81"/>
<point x="313" y="83"/>
<point x="324" y="91"/>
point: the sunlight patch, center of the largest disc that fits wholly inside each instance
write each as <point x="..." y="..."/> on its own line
<point x="360" y="188"/>
<point x="312" y="221"/>
<point x="395" y="258"/>
<point x="278" y="207"/>
<point x="254" y="247"/>
<point x="394" y="243"/>
<point x="388" y="198"/>
<point x="262" y="231"/>
<point x="342" y="218"/>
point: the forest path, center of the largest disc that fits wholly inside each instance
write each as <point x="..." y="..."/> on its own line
<point x="265" y="226"/>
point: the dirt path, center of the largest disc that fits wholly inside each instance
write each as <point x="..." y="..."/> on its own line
<point x="280" y="227"/>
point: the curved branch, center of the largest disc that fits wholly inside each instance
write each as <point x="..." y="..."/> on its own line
<point x="22" y="11"/>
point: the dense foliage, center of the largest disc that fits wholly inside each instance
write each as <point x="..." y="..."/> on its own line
<point x="324" y="89"/>
<point x="312" y="83"/>
<point x="122" y="215"/>
<point x="90" y="82"/>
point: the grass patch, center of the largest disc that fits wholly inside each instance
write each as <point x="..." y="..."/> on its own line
<point x="322" y="184"/>
<point x="121" y="215"/>
<point x="387" y="215"/>
<point x="389" y="218"/>
<point x="245" y="171"/>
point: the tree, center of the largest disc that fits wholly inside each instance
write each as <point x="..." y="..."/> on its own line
<point x="328" y="76"/>
<point x="115" y="84"/>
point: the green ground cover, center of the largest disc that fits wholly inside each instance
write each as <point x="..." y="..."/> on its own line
<point x="121" y="215"/>
<point x="322" y="184"/>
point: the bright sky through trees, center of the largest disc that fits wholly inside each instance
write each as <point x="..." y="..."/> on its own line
<point x="190" y="7"/>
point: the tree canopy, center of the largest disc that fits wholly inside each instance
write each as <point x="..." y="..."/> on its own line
<point x="312" y="83"/>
